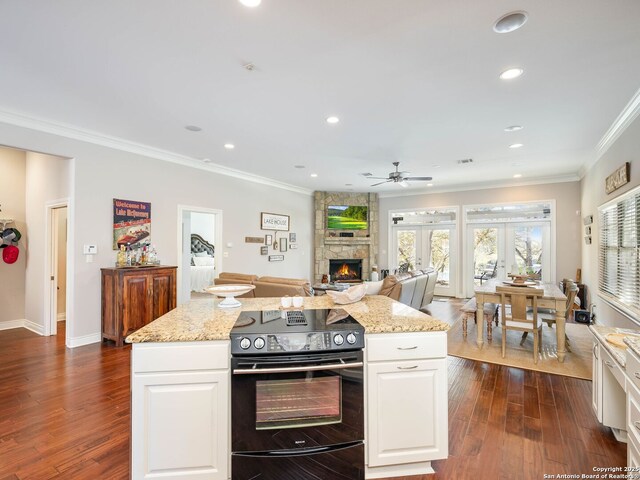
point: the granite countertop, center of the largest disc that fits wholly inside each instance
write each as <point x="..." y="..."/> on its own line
<point x="201" y="319"/>
<point x="618" y="353"/>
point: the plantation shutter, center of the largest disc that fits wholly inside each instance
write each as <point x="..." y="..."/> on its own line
<point x="619" y="254"/>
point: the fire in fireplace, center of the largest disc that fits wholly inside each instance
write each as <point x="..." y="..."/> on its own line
<point x="345" y="270"/>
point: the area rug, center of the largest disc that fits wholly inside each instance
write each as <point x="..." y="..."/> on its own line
<point x="577" y="363"/>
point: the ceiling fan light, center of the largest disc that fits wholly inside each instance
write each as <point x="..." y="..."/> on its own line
<point x="404" y="183"/>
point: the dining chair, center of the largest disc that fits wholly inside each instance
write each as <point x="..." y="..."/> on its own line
<point x="520" y="298"/>
<point x="570" y="290"/>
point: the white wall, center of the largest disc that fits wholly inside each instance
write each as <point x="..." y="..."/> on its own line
<point x="47" y="179"/>
<point x="568" y="222"/>
<point x="12" y="202"/>
<point x="625" y="149"/>
<point x="101" y="174"/>
<point x="204" y="224"/>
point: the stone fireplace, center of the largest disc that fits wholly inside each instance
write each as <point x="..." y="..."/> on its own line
<point x="345" y="270"/>
<point x="361" y="245"/>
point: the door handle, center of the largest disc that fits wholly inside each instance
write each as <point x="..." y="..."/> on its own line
<point x="407" y="348"/>
<point x="413" y="367"/>
<point x="595" y="352"/>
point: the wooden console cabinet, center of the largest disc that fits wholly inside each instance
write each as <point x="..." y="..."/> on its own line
<point x="133" y="297"/>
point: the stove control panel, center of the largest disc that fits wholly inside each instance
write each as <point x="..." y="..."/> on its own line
<point x="296" y="342"/>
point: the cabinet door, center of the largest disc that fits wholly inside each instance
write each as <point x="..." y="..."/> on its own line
<point x="407" y="416"/>
<point x="596" y="384"/>
<point x="180" y="425"/>
<point x="136" y="303"/>
<point x="163" y="294"/>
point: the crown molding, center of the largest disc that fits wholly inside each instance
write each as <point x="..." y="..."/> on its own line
<point x="96" y="138"/>
<point x="629" y="113"/>
<point x="484" y="186"/>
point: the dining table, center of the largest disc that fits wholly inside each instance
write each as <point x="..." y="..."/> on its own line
<point x="553" y="299"/>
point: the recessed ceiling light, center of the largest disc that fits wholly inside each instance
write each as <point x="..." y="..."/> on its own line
<point x="435" y="166"/>
<point x="333" y="120"/>
<point x="314" y="175"/>
<point x="510" y="22"/>
<point x="193" y="128"/>
<point x="299" y="166"/>
<point x="516" y="145"/>
<point x="513" y="128"/>
<point x="429" y="184"/>
<point x="517" y="175"/>
<point x="251" y="3"/>
<point x="348" y="184"/>
<point x="511" y="73"/>
<point x="229" y="146"/>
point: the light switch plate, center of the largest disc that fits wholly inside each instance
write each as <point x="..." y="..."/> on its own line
<point x="90" y="249"/>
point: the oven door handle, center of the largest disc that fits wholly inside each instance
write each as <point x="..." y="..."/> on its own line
<point x="336" y="366"/>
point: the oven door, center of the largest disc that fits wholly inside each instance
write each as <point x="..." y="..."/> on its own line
<point x="296" y="401"/>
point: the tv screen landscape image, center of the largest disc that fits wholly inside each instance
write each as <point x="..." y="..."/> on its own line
<point x="347" y="217"/>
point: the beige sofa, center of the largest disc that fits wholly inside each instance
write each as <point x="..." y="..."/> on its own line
<point x="413" y="288"/>
<point x="266" y="286"/>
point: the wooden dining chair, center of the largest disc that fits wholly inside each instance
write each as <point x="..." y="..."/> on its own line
<point x="520" y="298"/>
<point x="570" y="290"/>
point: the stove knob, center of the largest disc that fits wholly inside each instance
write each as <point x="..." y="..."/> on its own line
<point x="258" y="343"/>
<point x="338" y="339"/>
<point x="245" y="343"/>
<point x="351" y="339"/>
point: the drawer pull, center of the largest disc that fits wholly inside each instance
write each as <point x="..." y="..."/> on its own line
<point x="636" y="424"/>
<point x="595" y="351"/>
<point x="413" y="367"/>
<point x="609" y="364"/>
<point x="407" y="348"/>
<point x="637" y="375"/>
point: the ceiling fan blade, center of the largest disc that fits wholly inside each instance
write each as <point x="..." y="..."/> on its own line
<point x="419" y="178"/>
<point x="379" y="178"/>
<point x="376" y="184"/>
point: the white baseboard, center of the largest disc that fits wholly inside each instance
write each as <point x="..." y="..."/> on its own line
<point x="9" y="324"/>
<point x="34" y="327"/>
<point x="84" y="340"/>
<point x="61" y="317"/>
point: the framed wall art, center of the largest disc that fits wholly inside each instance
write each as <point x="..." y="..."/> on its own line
<point x="274" y="221"/>
<point x="283" y="244"/>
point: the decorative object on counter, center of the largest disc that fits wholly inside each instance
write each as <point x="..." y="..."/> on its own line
<point x="268" y="240"/>
<point x="350" y="295"/>
<point x="274" y="221"/>
<point x="374" y="273"/>
<point x="131" y="223"/>
<point x="297" y="301"/>
<point x="286" y="301"/>
<point x="264" y="250"/>
<point x="253" y="240"/>
<point x="276" y="258"/>
<point x="325" y="278"/>
<point x="292" y="238"/>
<point x="616" y="339"/>
<point x="618" y="178"/>
<point x="229" y="292"/>
<point x="283" y="244"/>
<point x="121" y="260"/>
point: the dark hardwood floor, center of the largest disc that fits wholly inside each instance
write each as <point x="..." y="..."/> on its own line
<point x="64" y="414"/>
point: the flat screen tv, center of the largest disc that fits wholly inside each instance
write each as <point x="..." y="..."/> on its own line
<point x="347" y="217"/>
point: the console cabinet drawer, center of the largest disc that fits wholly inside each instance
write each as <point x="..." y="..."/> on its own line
<point x="410" y="346"/>
<point x="614" y="367"/>
<point x="186" y="356"/>
<point x="633" y="368"/>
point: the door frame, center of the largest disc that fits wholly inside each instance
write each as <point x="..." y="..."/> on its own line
<point x="50" y="264"/>
<point x="217" y="243"/>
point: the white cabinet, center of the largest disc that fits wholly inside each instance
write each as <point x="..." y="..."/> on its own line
<point x="180" y="411"/>
<point x="406" y="402"/>
<point x="596" y="385"/>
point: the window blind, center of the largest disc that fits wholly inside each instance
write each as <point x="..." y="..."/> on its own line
<point x="619" y="250"/>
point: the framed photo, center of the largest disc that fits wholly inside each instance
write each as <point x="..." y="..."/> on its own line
<point x="283" y="244"/>
<point x="292" y="238"/>
<point x="274" y="221"/>
<point x="264" y="250"/>
<point x="276" y="258"/>
<point x="268" y="240"/>
<point x="293" y="246"/>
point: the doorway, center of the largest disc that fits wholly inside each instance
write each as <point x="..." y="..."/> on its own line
<point x="57" y="248"/>
<point x="198" y="267"/>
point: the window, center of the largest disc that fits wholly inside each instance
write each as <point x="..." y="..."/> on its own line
<point x="619" y="251"/>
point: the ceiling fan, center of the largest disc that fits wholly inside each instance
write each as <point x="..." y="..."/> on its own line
<point x="399" y="177"/>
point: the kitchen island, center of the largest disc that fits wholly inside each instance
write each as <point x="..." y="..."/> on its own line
<point x="181" y="388"/>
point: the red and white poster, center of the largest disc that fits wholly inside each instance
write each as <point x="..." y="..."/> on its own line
<point x="131" y="223"/>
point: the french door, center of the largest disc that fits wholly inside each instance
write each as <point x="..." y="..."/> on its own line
<point x="421" y="247"/>
<point x="497" y="249"/>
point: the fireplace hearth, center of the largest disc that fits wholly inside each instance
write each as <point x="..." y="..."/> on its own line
<point x="345" y="270"/>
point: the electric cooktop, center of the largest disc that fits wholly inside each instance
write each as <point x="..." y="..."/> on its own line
<point x="295" y="331"/>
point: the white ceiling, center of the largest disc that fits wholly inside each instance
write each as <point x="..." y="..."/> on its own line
<point x="411" y="80"/>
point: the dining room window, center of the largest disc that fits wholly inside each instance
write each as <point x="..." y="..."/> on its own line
<point x="619" y="251"/>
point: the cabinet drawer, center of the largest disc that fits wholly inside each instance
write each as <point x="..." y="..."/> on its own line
<point x="406" y="346"/>
<point x="613" y="366"/>
<point x="633" y="368"/>
<point x="633" y="459"/>
<point x="172" y="357"/>
<point x="633" y="415"/>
